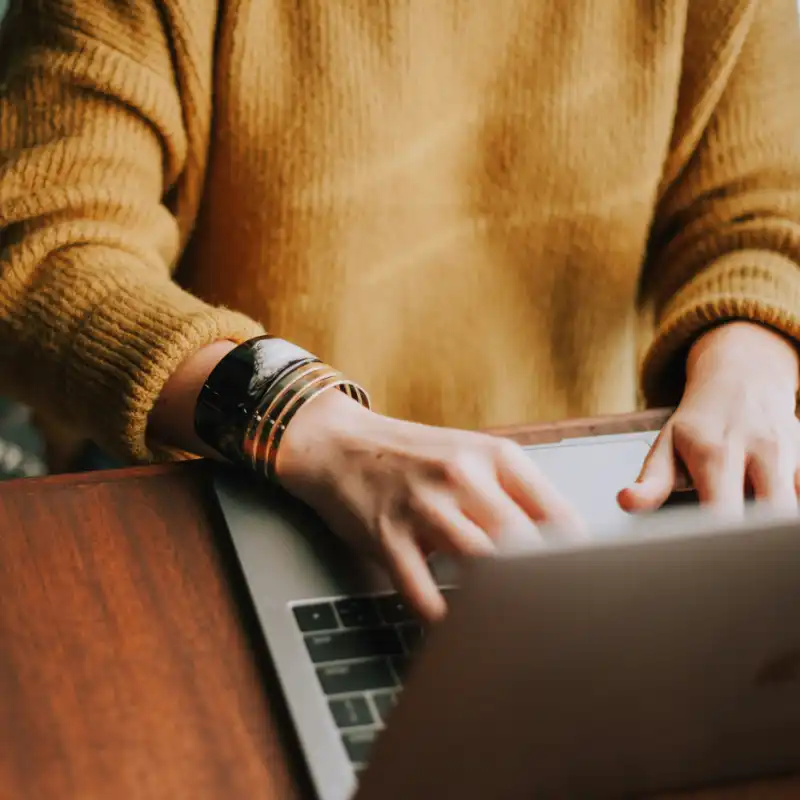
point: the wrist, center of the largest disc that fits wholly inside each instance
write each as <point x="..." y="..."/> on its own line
<point x="748" y="349"/>
<point x="318" y="433"/>
<point x="257" y="392"/>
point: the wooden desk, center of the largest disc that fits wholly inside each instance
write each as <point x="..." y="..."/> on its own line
<point x="130" y="664"/>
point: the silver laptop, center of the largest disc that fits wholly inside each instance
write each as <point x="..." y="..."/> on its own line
<point x="341" y="642"/>
<point x="663" y="661"/>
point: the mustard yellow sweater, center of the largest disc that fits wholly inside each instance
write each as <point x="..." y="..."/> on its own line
<point x="486" y="212"/>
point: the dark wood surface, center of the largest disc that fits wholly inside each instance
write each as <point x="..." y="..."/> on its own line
<point x="130" y="665"/>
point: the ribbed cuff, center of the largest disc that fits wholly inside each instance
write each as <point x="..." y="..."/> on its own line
<point x="133" y="342"/>
<point x="759" y="286"/>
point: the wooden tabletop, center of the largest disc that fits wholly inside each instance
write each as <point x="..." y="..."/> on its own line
<point x="130" y="662"/>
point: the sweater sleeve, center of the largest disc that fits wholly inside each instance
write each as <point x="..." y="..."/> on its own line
<point x="93" y="154"/>
<point x="725" y="241"/>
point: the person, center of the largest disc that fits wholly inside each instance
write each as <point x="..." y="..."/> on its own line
<point x="479" y="213"/>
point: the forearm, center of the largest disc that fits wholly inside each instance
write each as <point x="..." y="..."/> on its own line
<point x="322" y="415"/>
<point x="172" y="419"/>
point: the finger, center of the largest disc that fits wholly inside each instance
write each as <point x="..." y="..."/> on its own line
<point x="451" y="532"/>
<point x="534" y="494"/>
<point x="772" y="475"/>
<point x="656" y="479"/>
<point x="412" y="577"/>
<point x="718" y="472"/>
<point x="498" y="516"/>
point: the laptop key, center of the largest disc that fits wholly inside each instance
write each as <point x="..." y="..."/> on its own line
<point x="393" y="609"/>
<point x="356" y="676"/>
<point x="359" y="744"/>
<point x="352" y="644"/>
<point x="357" y="612"/>
<point x="384" y="703"/>
<point x="316" y="617"/>
<point x="350" y="712"/>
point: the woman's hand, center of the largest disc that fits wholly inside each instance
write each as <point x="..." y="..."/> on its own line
<point x="400" y="490"/>
<point x="735" y="427"/>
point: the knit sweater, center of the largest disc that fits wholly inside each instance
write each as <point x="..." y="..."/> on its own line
<point x="485" y="212"/>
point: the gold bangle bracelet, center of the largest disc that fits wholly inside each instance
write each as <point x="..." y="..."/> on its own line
<point x="284" y="399"/>
<point x="284" y="388"/>
<point x="301" y="390"/>
<point x="273" y="446"/>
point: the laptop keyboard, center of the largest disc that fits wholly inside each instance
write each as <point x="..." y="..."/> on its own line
<point x="360" y="648"/>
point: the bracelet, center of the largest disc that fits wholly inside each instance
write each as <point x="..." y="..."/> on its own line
<point x="282" y="402"/>
<point x="260" y="430"/>
<point x="250" y="397"/>
<point x="233" y="390"/>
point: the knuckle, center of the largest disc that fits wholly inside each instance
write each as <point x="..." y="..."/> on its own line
<point x="458" y="468"/>
<point x="470" y="460"/>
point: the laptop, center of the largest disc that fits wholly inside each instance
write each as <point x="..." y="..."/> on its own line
<point x="658" y="662"/>
<point x="342" y="641"/>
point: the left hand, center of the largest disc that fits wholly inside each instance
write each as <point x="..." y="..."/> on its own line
<point x="735" y="427"/>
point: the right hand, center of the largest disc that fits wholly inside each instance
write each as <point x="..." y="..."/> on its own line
<point x="400" y="490"/>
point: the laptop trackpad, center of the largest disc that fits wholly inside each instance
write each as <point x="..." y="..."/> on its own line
<point x="590" y="474"/>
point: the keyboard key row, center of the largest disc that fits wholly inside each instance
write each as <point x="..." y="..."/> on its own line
<point x="353" y="612"/>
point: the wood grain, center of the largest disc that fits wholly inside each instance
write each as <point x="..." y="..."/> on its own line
<point x="130" y="663"/>
<point x="125" y="667"/>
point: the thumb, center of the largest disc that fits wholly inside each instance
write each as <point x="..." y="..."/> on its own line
<point x="656" y="480"/>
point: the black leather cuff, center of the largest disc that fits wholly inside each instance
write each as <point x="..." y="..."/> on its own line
<point x="236" y="387"/>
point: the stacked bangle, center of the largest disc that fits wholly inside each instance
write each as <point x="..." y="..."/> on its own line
<point x="254" y="393"/>
<point x="282" y="401"/>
